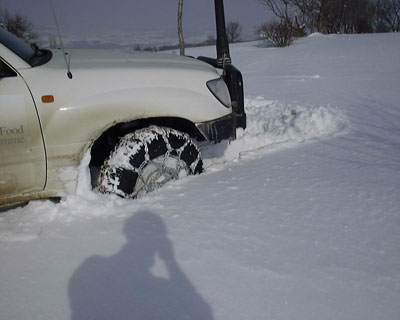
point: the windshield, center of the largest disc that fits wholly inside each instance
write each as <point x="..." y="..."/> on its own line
<point x="16" y="45"/>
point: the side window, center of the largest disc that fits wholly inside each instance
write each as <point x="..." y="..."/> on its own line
<point x="5" y="71"/>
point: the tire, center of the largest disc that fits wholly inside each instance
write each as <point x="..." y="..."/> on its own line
<point x="147" y="159"/>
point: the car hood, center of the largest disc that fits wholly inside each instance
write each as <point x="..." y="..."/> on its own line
<point x="117" y="59"/>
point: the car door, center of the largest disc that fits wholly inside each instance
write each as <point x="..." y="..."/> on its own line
<point x="22" y="152"/>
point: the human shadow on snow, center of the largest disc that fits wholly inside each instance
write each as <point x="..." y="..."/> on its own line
<point x="123" y="287"/>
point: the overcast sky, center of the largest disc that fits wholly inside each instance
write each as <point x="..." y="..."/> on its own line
<point x="136" y="15"/>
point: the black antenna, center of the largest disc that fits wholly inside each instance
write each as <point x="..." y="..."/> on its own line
<point x="223" y="55"/>
<point x="69" y="74"/>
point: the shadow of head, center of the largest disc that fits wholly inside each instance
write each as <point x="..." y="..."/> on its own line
<point x="146" y="235"/>
<point x="144" y="225"/>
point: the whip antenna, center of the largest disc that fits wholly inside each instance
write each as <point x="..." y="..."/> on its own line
<point x="67" y="62"/>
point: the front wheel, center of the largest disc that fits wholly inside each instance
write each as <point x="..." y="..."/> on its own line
<point x="146" y="159"/>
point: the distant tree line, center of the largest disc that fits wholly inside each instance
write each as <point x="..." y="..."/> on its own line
<point x="295" y="18"/>
<point x="208" y="42"/>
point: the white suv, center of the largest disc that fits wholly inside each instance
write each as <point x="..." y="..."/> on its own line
<point x="138" y="113"/>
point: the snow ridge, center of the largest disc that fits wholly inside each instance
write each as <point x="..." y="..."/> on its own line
<point x="273" y="124"/>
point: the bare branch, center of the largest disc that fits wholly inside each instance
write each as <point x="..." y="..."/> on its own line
<point x="18" y="25"/>
<point x="180" y="30"/>
<point x="233" y="31"/>
<point x="278" y="33"/>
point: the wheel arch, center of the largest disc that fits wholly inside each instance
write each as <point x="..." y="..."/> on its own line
<point x="105" y="143"/>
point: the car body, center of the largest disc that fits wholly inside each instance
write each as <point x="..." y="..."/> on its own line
<point x="48" y="120"/>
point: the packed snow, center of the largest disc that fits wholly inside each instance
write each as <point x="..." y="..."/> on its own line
<point x="299" y="218"/>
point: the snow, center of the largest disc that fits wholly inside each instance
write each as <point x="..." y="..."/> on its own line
<point x="297" y="219"/>
<point x="272" y="124"/>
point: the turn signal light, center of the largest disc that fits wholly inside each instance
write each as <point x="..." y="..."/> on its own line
<point x="47" y="99"/>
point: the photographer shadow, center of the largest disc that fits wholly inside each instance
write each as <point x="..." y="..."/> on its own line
<point x="123" y="287"/>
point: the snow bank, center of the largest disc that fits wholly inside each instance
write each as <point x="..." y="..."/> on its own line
<point x="274" y="124"/>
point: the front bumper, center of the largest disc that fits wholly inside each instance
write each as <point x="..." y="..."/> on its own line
<point x="219" y="129"/>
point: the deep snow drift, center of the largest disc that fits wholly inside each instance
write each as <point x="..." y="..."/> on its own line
<point x="297" y="219"/>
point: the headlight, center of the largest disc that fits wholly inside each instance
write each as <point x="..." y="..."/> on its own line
<point x="220" y="91"/>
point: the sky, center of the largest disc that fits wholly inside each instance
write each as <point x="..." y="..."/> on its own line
<point x="99" y="16"/>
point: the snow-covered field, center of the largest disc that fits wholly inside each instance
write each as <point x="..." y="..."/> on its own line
<point x="297" y="219"/>
<point x="122" y="39"/>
